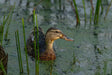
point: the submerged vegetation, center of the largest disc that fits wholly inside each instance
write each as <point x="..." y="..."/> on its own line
<point x="91" y="16"/>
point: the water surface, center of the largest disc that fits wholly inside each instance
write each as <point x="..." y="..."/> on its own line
<point x="91" y="47"/>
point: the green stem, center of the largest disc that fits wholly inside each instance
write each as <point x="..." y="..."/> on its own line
<point x="76" y="12"/>
<point x="9" y="21"/>
<point x="90" y="15"/>
<point x="19" y="51"/>
<point x="2" y="67"/>
<point x="25" y="46"/>
<point x="96" y="17"/>
<point x="84" y="9"/>
<point x="107" y="10"/>
<point x="36" y="44"/>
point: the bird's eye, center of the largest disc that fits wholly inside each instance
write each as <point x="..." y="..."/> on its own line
<point x="56" y="31"/>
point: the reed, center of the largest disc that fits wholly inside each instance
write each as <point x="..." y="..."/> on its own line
<point x="107" y="10"/>
<point x="2" y="68"/>
<point x="91" y="1"/>
<point x="25" y="46"/>
<point x="96" y="17"/>
<point x="36" y="43"/>
<point x="7" y="29"/>
<point x="84" y="10"/>
<point x="5" y="19"/>
<point x="19" y="51"/>
<point x="8" y="23"/>
<point x="102" y="9"/>
<point x="90" y="15"/>
<point x="60" y="4"/>
<point x="37" y="37"/>
<point x="76" y="12"/>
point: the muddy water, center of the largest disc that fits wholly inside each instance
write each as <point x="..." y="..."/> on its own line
<point x="91" y="48"/>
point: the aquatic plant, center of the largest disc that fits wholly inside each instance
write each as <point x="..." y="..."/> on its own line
<point x="2" y="67"/>
<point x="9" y="21"/>
<point x="36" y="44"/>
<point x="25" y="46"/>
<point x="107" y="10"/>
<point x="84" y="10"/>
<point x="76" y="12"/>
<point x="90" y="15"/>
<point x="92" y="6"/>
<point x="19" y="51"/>
<point x="5" y="19"/>
<point x="96" y="17"/>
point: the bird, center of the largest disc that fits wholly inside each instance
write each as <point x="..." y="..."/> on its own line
<point x="46" y="47"/>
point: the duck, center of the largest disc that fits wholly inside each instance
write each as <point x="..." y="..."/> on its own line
<point x="46" y="41"/>
<point x="4" y="59"/>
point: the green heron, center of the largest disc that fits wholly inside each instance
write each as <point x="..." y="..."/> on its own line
<point x="46" y="49"/>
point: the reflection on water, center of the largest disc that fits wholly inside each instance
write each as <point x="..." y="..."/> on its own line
<point x="85" y="56"/>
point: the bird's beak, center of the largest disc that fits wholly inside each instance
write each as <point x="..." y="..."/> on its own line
<point x="66" y="38"/>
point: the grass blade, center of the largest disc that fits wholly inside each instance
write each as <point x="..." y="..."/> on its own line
<point x="84" y="10"/>
<point x="9" y="21"/>
<point x="107" y="10"/>
<point x="96" y="17"/>
<point x="2" y="67"/>
<point x="19" y="51"/>
<point x="25" y="47"/>
<point x="36" y="45"/>
<point x="90" y="15"/>
<point x="5" y="19"/>
<point x="76" y="12"/>
<point x="92" y="6"/>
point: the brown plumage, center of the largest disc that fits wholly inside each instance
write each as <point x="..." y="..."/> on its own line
<point x="46" y="41"/>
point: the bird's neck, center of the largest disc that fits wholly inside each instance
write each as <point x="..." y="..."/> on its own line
<point x="49" y="45"/>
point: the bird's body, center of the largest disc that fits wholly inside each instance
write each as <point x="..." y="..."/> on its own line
<point x="46" y="50"/>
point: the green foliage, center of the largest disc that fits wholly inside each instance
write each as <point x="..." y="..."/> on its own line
<point x="25" y="46"/>
<point x="84" y="10"/>
<point x="2" y="68"/>
<point x="96" y="17"/>
<point x="36" y="24"/>
<point x="19" y="51"/>
<point x="76" y="12"/>
<point x="8" y="23"/>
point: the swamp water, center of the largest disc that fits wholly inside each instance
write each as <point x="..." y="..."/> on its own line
<point x="89" y="54"/>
